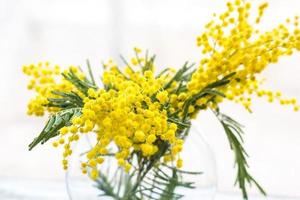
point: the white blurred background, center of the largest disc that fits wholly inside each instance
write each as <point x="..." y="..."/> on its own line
<point x="69" y="31"/>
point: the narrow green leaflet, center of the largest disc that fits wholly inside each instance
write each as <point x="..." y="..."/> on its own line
<point x="55" y="122"/>
<point x="160" y="183"/>
<point x="82" y="85"/>
<point x="106" y="187"/>
<point x="234" y="134"/>
<point x="90" y="72"/>
<point x="179" y="74"/>
<point x="210" y="89"/>
<point x="65" y="100"/>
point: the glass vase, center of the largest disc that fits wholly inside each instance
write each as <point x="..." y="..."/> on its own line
<point x="198" y="173"/>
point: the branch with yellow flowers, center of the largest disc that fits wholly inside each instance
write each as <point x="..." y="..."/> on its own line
<point x="146" y="115"/>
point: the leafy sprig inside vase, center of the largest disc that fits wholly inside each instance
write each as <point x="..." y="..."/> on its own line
<point x="142" y="118"/>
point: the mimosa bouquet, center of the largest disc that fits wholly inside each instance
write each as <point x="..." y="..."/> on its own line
<point x="141" y="117"/>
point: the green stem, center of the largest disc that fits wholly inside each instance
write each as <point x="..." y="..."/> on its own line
<point x="90" y="72"/>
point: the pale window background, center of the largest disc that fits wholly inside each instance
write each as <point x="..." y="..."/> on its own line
<point x="69" y="31"/>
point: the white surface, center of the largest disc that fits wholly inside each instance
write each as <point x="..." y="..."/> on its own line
<point x="55" y="190"/>
<point x="69" y="31"/>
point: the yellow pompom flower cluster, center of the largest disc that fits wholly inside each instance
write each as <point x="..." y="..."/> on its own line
<point x="124" y="118"/>
<point x="140" y="118"/>
<point x="234" y="45"/>
<point x="46" y="79"/>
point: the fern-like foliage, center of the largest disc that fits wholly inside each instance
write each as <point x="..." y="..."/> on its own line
<point x="69" y="103"/>
<point x="151" y="179"/>
<point x="55" y="122"/>
<point x="65" y="100"/>
<point x="159" y="183"/>
<point x="234" y="133"/>
<point x="81" y="84"/>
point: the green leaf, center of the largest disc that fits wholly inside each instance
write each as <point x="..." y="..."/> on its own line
<point x="126" y="63"/>
<point x="181" y="124"/>
<point x="55" y="122"/>
<point x="210" y="89"/>
<point x="225" y="80"/>
<point x="105" y="186"/>
<point x="179" y="74"/>
<point x="158" y="183"/>
<point x="81" y="85"/>
<point x="65" y="100"/>
<point x="90" y="72"/>
<point x="234" y="134"/>
<point x="149" y="63"/>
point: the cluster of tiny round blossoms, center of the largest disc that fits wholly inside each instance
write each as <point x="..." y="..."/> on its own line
<point x="233" y="44"/>
<point x="46" y="79"/>
<point x="125" y="119"/>
<point x="131" y="115"/>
